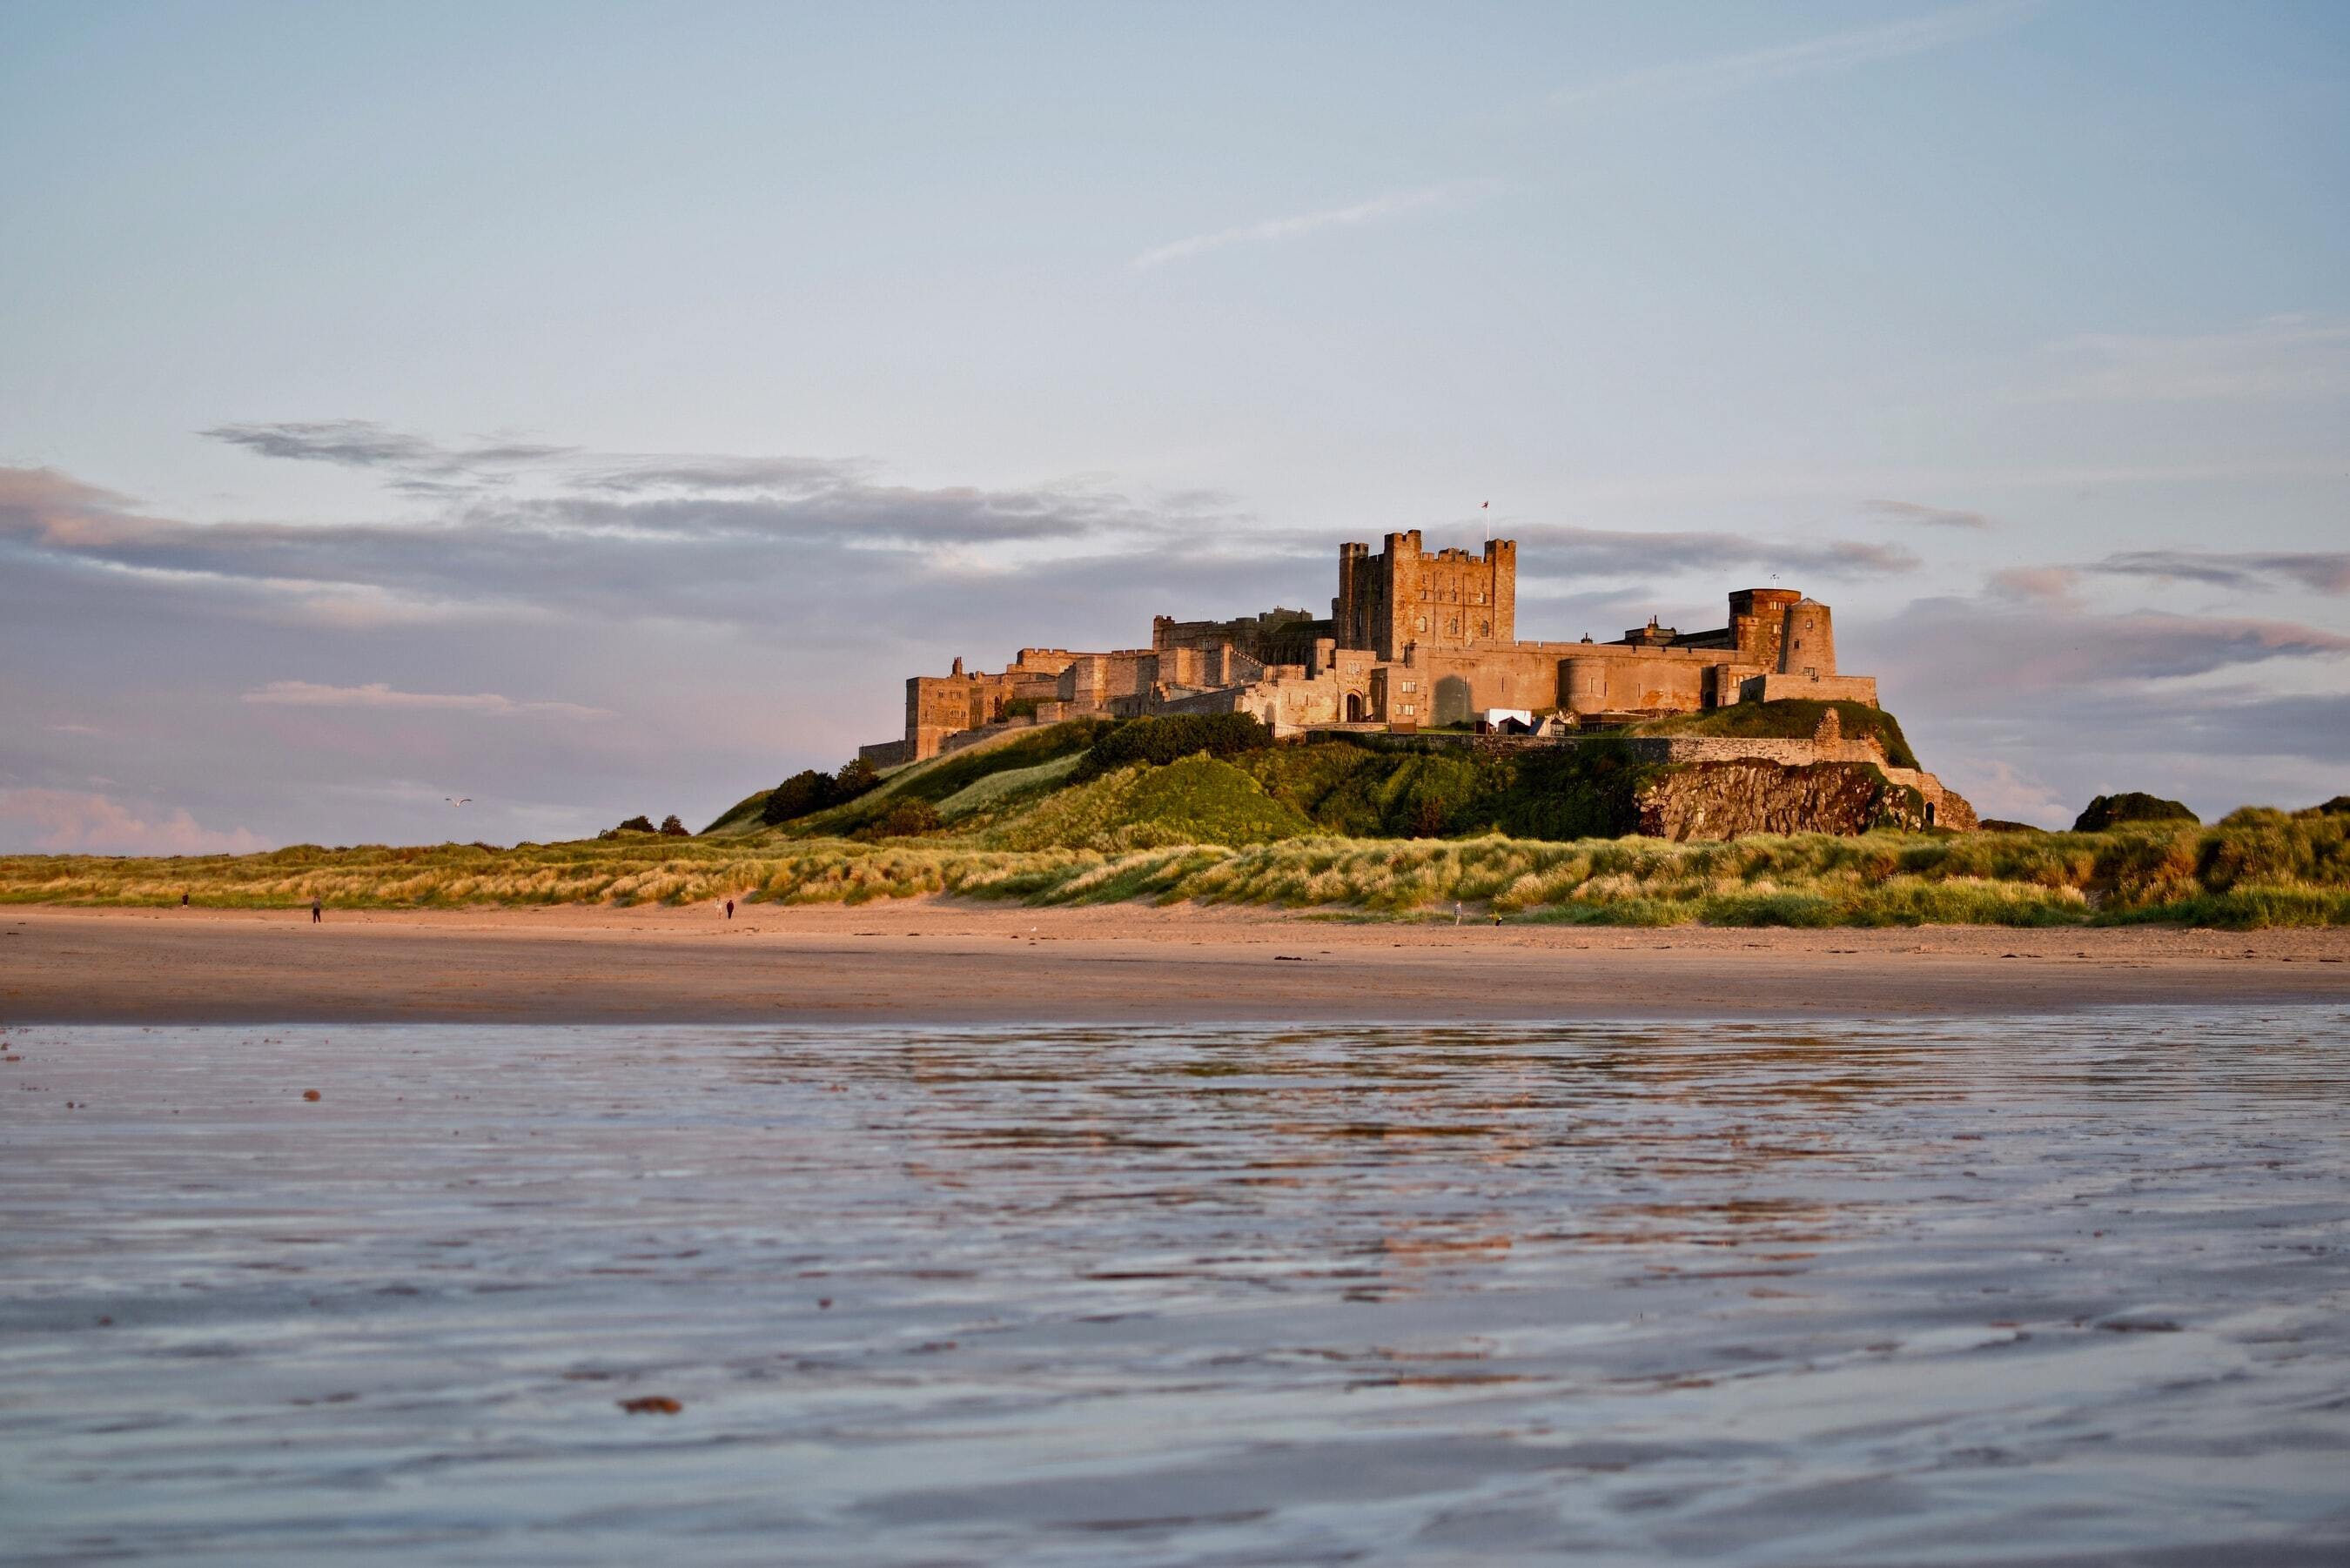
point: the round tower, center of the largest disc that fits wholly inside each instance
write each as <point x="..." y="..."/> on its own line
<point x="1807" y="640"/>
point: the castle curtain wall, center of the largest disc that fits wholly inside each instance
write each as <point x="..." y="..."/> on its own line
<point x="1452" y="686"/>
<point x="1415" y="636"/>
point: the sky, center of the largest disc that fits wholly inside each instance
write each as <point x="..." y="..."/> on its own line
<point x="582" y="411"/>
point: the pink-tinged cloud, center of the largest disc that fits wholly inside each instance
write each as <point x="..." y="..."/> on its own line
<point x="2057" y="587"/>
<point x="1999" y="789"/>
<point x="73" y="822"/>
<point x="376" y="694"/>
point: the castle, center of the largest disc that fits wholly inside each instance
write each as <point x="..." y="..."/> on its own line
<point x="1415" y="639"/>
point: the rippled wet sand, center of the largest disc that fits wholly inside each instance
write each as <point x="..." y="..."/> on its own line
<point x="1991" y="1290"/>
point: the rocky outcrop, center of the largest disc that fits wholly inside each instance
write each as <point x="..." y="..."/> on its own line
<point x="1726" y="798"/>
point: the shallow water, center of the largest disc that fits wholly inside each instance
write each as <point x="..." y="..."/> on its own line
<point x="2020" y="1290"/>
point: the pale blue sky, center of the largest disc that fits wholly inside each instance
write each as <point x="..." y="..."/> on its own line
<point x="2019" y="332"/>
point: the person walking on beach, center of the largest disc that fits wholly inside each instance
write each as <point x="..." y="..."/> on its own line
<point x="730" y="908"/>
<point x="183" y="898"/>
<point x="317" y="909"/>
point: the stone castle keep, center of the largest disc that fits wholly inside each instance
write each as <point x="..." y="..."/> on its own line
<point x="1414" y="638"/>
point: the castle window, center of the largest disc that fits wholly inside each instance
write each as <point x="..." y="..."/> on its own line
<point x="1420" y="625"/>
<point x="1455" y="625"/>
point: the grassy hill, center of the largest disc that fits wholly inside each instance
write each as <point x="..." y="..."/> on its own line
<point x="1055" y="815"/>
<point x="1796" y="719"/>
<point x="2256" y="867"/>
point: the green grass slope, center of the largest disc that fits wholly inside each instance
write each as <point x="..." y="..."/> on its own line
<point x="1797" y="719"/>
<point x="1199" y="800"/>
<point x="2256" y="867"/>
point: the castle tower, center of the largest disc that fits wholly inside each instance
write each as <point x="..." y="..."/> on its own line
<point x="1757" y="616"/>
<point x="1405" y="596"/>
<point x="1807" y="640"/>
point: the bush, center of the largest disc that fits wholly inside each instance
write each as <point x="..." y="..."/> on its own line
<point x="1162" y="741"/>
<point x="2000" y="825"/>
<point x="904" y="819"/>
<point x="633" y="824"/>
<point x="803" y="792"/>
<point x="2112" y="810"/>
<point x="673" y="828"/>
<point x="855" y="778"/>
<point x="807" y="792"/>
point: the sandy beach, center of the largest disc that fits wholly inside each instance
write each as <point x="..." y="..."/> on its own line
<point x="943" y="961"/>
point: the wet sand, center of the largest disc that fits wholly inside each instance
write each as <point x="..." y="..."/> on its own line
<point x="937" y="960"/>
<point x="2056" y="1291"/>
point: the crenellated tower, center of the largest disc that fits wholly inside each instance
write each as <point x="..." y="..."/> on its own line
<point x="1405" y="596"/>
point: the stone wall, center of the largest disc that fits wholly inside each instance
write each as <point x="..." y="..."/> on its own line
<point x="1775" y="688"/>
<point x="1950" y="808"/>
<point x="887" y="753"/>
<point x="1417" y="637"/>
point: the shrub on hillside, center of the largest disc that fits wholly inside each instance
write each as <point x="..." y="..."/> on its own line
<point x="855" y="778"/>
<point x="1162" y="741"/>
<point x="1589" y="790"/>
<point x="808" y="792"/>
<point x="2112" y="810"/>
<point x="805" y="792"/>
<point x="903" y="819"/>
<point x="2000" y="825"/>
<point x="633" y="824"/>
<point x="1370" y="787"/>
<point x="673" y="828"/>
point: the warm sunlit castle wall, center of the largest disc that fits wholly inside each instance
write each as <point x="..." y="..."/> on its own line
<point x="1415" y="639"/>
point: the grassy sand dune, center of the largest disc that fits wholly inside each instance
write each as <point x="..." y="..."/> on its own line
<point x="1207" y="808"/>
<point x="2257" y="868"/>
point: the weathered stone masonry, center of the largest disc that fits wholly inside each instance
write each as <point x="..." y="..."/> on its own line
<point x="1415" y="639"/>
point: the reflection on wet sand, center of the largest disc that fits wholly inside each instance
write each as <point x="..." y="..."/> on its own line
<point x="1978" y="1290"/>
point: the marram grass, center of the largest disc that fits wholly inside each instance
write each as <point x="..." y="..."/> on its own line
<point x="2256" y="869"/>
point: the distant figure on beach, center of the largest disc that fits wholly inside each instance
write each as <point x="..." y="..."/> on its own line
<point x="317" y="909"/>
<point x="1456" y="911"/>
<point x="183" y="898"/>
<point x="730" y="908"/>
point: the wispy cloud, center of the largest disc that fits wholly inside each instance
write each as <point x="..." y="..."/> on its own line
<point x="376" y="694"/>
<point x="1565" y="548"/>
<point x="1718" y="74"/>
<point x="1274" y="231"/>
<point x="2319" y="571"/>
<point x="410" y="462"/>
<point x="1932" y="517"/>
<point x="2277" y="357"/>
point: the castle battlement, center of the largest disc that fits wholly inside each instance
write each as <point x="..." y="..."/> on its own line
<point x="1415" y="639"/>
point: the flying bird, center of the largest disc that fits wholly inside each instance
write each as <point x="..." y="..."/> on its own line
<point x="453" y="800"/>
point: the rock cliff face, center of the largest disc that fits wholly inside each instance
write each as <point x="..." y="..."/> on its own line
<point x="1724" y="799"/>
